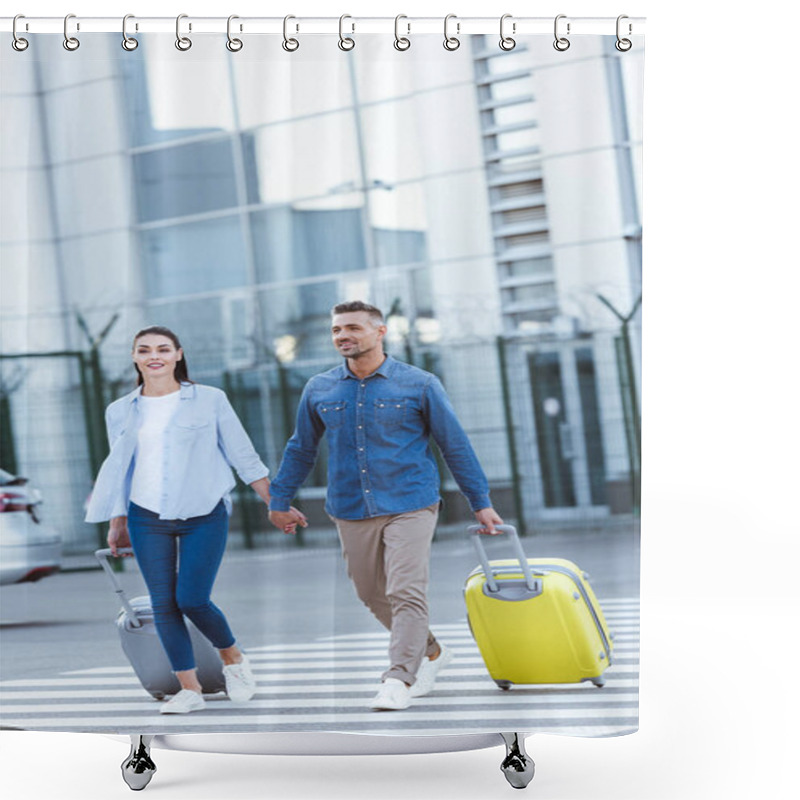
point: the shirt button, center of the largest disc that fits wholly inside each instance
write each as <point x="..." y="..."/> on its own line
<point x="360" y="427"/>
<point x="363" y="385"/>
<point x="366" y="491"/>
<point x="361" y="448"/>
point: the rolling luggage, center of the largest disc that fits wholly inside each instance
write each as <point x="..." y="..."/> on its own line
<point x="140" y="643"/>
<point x="535" y="620"/>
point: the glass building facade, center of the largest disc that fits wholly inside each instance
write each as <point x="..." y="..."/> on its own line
<point x="237" y="197"/>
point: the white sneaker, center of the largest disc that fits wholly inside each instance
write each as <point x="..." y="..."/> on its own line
<point x="393" y="695"/>
<point x="185" y="701"/>
<point x="240" y="683"/>
<point x="428" y="670"/>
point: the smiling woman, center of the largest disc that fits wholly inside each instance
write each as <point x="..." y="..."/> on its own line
<point x="165" y="488"/>
<point x="158" y="354"/>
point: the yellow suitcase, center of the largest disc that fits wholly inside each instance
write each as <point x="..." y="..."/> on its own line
<point x="535" y="620"/>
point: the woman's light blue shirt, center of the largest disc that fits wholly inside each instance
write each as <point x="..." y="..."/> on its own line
<point x="202" y="442"/>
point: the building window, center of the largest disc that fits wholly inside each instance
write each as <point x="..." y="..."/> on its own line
<point x="189" y="179"/>
<point x="314" y="160"/>
<point x="289" y="244"/>
<point x="298" y="320"/>
<point x="534" y="322"/>
<point x="521" y="216"/>
<point x="423" y="292"/>
<point x="147" y="122"/>
<point x="529" y="267"/>
<point x="518" y="189"/>
<point x="194" y="257"/>
<point x="510" y="243"/>
<point x="499" y="167"/>
<point x="238" y="329"/>
<point x="507" y="62"/>
<point x="526" y="139"/>
<point x="514" y="114"/>
<point x="399" y="247"/>
<point x="533" y="295"/>
<point x="520" y="88"/>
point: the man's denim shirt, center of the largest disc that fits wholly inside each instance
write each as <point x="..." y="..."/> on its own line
<point x="202" y="441"/>
<point x="378" y="432"/>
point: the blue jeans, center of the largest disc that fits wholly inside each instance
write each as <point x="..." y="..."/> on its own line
<point x="182" y="587"/>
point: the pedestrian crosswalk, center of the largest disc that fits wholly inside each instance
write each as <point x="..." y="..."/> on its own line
<point x="326" y="685"/>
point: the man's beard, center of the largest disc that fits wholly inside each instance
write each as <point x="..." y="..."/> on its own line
<point x="357" y="353"/>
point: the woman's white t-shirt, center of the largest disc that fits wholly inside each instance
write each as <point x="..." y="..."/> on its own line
<point x="148" y="471"/>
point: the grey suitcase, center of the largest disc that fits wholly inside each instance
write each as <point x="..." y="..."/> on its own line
<point x="140" y="643"/>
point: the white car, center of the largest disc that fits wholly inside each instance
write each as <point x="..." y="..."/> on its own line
<point x="29" y="550"/>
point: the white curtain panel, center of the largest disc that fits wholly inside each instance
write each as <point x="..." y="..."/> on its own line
<point x="488" y="202"/>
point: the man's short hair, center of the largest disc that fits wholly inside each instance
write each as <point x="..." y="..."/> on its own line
<point x="375" y="314"/>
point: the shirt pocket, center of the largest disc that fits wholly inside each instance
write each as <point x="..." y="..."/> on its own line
<point x="332" y="413"/>
<point x="390" y="412"/>
<point x="193" y="427"/>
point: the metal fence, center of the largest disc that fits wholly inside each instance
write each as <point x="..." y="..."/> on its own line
<point x="51" y="419"/>
<point x="555" y="424"/>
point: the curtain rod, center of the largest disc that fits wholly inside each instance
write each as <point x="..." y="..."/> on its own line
<point x="517" y="26"/>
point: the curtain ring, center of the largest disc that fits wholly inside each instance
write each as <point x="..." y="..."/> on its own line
<point x="128" y="42"/>
<point x="401" y="43"/>
<point x="623" y="45"/>
<point x="346" y="43"/>
<point x="18" y="43"/>
<point x="506" y="42"/>
<point x="451" y="42"/>
<point x="183" y="43"/>
<point x="70" y="42"/>
<point x="289" y="45"/>
<point x="234" y="45"/>
<point x="561" y="43"/>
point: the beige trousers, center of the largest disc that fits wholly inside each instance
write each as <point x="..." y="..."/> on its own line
<point x="388" y="560"/>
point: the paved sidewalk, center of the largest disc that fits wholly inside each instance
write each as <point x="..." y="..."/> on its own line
<point x="277" y="594"/>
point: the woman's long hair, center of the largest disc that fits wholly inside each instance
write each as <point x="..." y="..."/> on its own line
<point x="181" y="368"/>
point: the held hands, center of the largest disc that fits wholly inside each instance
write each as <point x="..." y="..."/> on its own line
<point x="118" y="536"/>
<point x="288" y="521"/>
<point x="488" y="517"/>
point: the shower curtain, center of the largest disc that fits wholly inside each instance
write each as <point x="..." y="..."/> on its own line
<point x="486" y="198"/>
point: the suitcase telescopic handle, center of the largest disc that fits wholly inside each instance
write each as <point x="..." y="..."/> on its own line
<point x="102" y="556"/>
<point x="484" y="559"/>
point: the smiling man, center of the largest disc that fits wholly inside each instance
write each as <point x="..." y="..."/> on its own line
<point x="379" y="415"/>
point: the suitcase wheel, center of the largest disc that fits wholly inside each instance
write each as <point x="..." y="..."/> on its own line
<point x="599" y="682"/>
<point x="504" y="685"/>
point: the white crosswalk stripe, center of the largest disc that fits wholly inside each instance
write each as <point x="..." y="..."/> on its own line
<point x="327" y="684"/>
